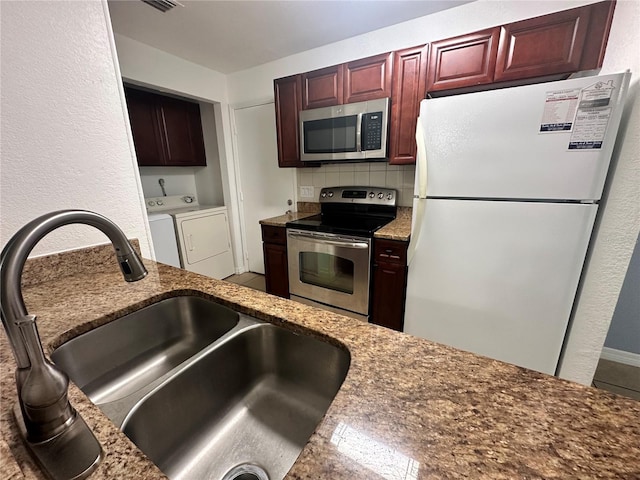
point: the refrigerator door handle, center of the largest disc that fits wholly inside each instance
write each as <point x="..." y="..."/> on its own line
<point x="421" y="161"/>
<point x="420" y="193"/>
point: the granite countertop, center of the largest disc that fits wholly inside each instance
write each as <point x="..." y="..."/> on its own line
<point x="399" y="228"/>
<point x="408" y="408"/>
<point x="281" y="220"/>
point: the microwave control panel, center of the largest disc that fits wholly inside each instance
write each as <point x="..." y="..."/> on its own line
<point x="372" y="131"/>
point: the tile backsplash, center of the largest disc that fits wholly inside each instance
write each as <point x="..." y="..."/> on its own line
<point x="370" y="174"/>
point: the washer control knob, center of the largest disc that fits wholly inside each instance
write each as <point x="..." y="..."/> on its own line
<point x="151" y="203"/>
<point x="187" y="199"/>
<point x="380" y="195"/>
<point x="323" y="194"/>
<point x="371" y="194"/>
<point x="389" y="196"/>
<point x="330" y="194"/>
<point x="159" y="202"/>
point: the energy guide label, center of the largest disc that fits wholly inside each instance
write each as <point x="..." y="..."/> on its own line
<point x="559" y="110"/>
<point x="592" y="118"/>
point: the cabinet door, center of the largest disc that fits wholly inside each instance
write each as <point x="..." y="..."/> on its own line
<point x="183" y="132"/>
<point x="389" y="283"/>
<point x="368" y="78"/>
<point x="540" y="46"/>
<point x="596" y="41"/>
<point x="276" y="272"/>
<point x="463" y="61"/>
<point x="288" y="102"/>
<point x="409" y="88"/>
<point x="145" y="127"/>
<point x="322" y="88"/>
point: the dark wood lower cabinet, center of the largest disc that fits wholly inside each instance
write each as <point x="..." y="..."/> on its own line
<point x="389" y="283"/>
<point x="276" y="269"/>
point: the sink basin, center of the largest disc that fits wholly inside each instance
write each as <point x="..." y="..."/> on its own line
<point x="121" y="357"/>
<point x="252" y="400"/>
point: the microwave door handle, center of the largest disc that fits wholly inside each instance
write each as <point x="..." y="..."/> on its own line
<point x="359" y="133"/>
<point x="324" y="241"/>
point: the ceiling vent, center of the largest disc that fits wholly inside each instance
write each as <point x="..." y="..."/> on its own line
<point x="162" y="5"/>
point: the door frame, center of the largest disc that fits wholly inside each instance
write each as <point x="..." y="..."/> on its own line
<point x="238" y="194"/>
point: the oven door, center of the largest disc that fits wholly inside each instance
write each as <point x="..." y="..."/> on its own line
<point x="330" y="269"/>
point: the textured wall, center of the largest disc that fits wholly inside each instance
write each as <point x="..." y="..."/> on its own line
<point x="624" y="333"/>
<point x="65" y="141"/>
<point x="619" y="223"/>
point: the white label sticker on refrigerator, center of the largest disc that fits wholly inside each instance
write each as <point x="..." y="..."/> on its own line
<point x="559" y="110"/>
<point x="593" y="115"/>
<point x="590" y="129"/>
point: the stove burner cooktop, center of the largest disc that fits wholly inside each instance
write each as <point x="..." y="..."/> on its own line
<point x="363" y="226"/>
<point x="358" y="211"/>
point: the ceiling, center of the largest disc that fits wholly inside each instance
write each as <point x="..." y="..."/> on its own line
<point x="229" y="36"/>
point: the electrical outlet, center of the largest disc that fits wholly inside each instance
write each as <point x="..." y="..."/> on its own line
<point x="306" y="192"/>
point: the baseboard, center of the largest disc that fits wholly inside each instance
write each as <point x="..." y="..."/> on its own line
<point x="621" y="356"/>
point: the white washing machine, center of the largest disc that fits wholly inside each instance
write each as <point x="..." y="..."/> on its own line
<point x="163" y="236"/>
<point x="202" y="233"/>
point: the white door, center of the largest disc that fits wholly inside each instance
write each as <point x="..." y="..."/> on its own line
<point x="498" y="278"/>
<point x="265" y="188"/>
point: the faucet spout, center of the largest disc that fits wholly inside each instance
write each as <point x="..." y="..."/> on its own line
<point x="45" y="412"/>
<point x="15" y="254"/>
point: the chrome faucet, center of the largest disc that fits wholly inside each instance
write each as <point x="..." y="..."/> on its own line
<point x="61" y="441"/>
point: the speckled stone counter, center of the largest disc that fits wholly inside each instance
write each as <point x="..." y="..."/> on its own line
<point x="399" y="228"/>
<point x="281" y="220"/>
<point x="305" y="209"/>
<point x="408" y="408"/>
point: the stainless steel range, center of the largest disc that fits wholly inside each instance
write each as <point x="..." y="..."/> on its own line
<point x="329" y="254"/>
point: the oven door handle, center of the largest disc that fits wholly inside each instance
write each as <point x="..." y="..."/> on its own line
<point x="324" y="241"/>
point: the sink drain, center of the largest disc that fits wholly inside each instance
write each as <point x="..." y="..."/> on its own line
<point x="246" y="471"/>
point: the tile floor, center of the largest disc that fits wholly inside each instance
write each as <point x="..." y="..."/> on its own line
<point x="618" y="378"/>
<point x="249" y="279"/>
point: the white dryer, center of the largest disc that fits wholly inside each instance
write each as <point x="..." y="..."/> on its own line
<point x="202" y="232"/>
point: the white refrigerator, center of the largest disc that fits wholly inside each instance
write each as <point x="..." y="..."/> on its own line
<point x="507" y="190"/>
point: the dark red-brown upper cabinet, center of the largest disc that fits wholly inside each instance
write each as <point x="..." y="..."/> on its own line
<point x="288" y="102"/>
<point x="322" y="88"/>
<point x="541" y="46"/>
<point x="598" y="33"/>
<point x="183" y="132"/>
<point x="166" y="131"/>
<point x="368" y="78"/>
<point x="463" y="61"/>
<point x="145" y="127"/>
<point x="408" y="89"/>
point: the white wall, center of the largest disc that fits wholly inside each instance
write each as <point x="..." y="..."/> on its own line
<point x="209" y="179"/>
<point x="148" y="66"/>
<point x="620" y="220"/>
<point x="65" y="141"/>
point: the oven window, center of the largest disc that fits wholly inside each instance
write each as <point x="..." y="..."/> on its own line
<point x="327" y="271"/>
<point x="331" y="135"/>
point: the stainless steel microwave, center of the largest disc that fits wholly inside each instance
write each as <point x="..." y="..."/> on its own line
<point x="354" y="131"/>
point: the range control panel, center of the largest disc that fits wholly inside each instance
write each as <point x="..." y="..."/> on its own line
<point x="364" y="195"/>
<point x="170" y="202"/>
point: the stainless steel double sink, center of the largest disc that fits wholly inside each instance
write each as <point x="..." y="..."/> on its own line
<point x="204" y="391"/>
